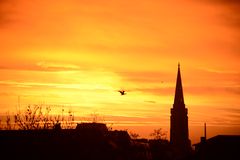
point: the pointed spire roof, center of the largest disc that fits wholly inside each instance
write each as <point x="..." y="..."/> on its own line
<point x="179" y="91"/>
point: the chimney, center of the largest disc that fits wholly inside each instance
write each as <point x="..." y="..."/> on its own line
<point x="203" y="139"/>
<point x="205" y="131"/>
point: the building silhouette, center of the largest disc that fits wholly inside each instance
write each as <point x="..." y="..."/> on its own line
<point x="88" y="141"/>
<point x="179" y="137"/>
<point x="218" y="147"/>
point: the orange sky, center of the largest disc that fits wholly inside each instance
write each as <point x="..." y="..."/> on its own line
<point x="79" y="53"/>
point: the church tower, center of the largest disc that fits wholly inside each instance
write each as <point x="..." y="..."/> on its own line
<point x="179" y="119"/>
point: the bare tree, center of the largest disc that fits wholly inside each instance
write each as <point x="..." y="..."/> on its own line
<point x="39" y="117"/>
<point x="134" y="135"/>
<point x="68" y="122"/>
<point x="8" y="122"/>
<point x="32" y="118"/>
<point x="159" y="134"/>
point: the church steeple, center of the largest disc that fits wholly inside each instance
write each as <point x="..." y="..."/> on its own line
<point x="179" y="119"/>
<point x="179" y="91"/>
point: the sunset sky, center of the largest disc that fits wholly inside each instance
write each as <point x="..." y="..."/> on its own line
<point x="79" y="53"/>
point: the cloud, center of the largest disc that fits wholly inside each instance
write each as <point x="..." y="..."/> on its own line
<point x="146" y="77"/>
<point x="191" y="90"/>
<point x="46" y="85"/>
<point x="27" y="84"/>
<point x="6" y="10"/>
<point x="235" y="90"/>
<point x="3" y="12"/>
<point x="157" y="90"/>
<point x="150" y="101"/>
<point x="44" y="66"/>
<point x="211" y="70"/>
<point x="232" y="11"/>
<point x="134" y="120"/>
<point x="7" y="94"/>
<point x="226" y="2"/>
<point x="210" y="90"/>
<point x="229" y="78"/>
<point x="231" y="110"/>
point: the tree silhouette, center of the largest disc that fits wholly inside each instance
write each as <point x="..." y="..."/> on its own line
<point x="134" y="135"/>
<point x="38" y="117"/>
<point x="159" y="134"/>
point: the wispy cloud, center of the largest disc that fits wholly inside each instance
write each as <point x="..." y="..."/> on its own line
<point x="146" y="76"/>
<point x="27" y="84"/>
<point x="231" y="110"/>
<point x="48" y="66"/>
<point x="127" y="120"/>
<point x="7" y="94"/>
<point x="150" y="101"/>
<point x="43" y="66"/>
<point x="224" y="71"/>
<point x="232" y="14"/>
<point x="6" y="7"/>
<point x="83" y="87"/>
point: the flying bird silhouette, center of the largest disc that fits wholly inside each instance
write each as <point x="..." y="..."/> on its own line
<point x="122" y="92"/>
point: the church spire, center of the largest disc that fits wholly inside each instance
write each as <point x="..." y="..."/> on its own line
<point x="179" y="91"/>
<point x="179" y="119"/>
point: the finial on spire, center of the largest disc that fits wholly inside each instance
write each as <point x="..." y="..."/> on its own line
<point x="179" y="91"/>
